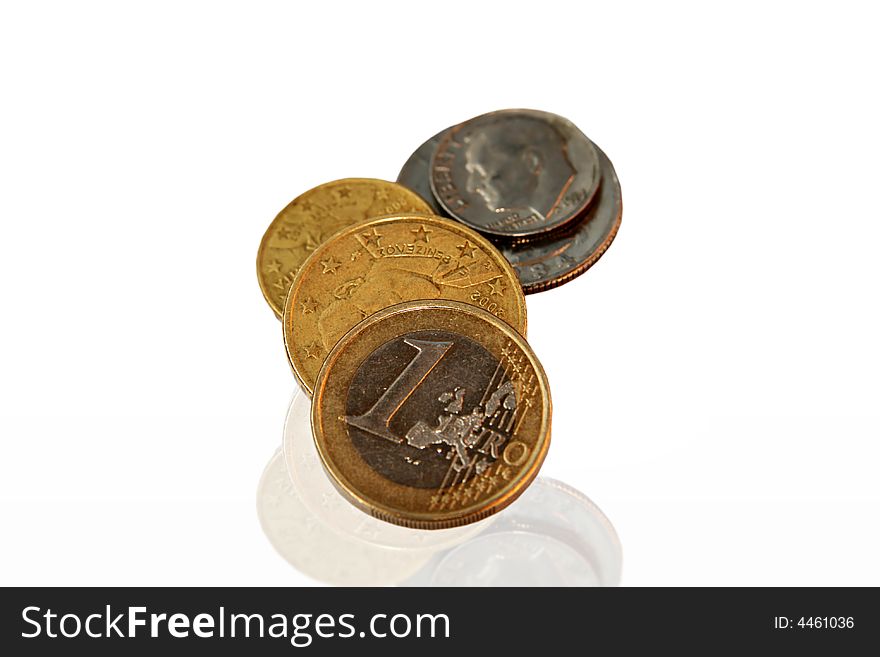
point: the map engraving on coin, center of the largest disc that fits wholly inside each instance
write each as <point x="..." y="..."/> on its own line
<point x="474" y="417"/>
<point x="373" y="265"/>
<point x="431" y="414"/>
<point x="515" y="173"/>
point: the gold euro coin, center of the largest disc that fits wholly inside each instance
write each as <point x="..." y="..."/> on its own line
<point x="431" y="414"/>
<point x="315" y="215"/>
<point x="370" y="266"/>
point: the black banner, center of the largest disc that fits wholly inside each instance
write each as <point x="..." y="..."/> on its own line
<point x="427" y="621"/>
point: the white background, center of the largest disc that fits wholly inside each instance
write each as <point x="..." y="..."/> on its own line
<point x="715" y="375"/>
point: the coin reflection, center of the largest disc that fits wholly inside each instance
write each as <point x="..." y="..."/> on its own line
<point x="551" y="536"/>
<point x="327" y="504"/>
<point x="319" y="551"/>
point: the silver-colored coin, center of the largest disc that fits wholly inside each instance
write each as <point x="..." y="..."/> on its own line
<point x="552" y="536"/>
<point x="547" y="262"/>
<point x="414" y="173"/>
<point x="318" y="550"/>
<point x="515" y="173"/>
<point x="542" y="264"/>
<point x="322" y="499"/>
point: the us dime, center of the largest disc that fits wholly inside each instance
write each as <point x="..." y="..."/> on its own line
<point x="431" y="414"/>
<point x="515" y="173"/>
<point x="549" y="261"/>
<point x="546" y="263"/>
<point x="415" y="172"/>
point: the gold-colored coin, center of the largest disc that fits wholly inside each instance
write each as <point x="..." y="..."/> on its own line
<point x="431" y="414"/>
<point x="370" y="266"/>
<point x="315" y="215"/>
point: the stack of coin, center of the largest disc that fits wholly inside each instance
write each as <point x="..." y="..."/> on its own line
<point x="531" y="182"/>
<point x="404" y="314"/>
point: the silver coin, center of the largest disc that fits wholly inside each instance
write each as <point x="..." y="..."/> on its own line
<point x="515" y="173"/>
<point x="542" y="264"/>
<point x="319" y="551"/>
<point x="414" y="173"/>
<point x="326" y="503"/>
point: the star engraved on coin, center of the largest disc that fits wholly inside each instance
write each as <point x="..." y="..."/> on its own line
<point x="309" y="305"/>
<point x="466" y="250"/>
<point x="495" y="287"/>
<point x="421" y="233"/>
<point x="330" y="265"/>
<point x="312" y="350"/>
<point x="372" y="237"/>
<point x="304" y="223"/>
<point x="369" y="279"/>
<point x="311" y="241"/>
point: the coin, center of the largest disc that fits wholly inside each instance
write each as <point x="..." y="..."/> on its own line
<point x="320" y="496"/>
<point x="515" y="173"/>
<point x="373" y="265"/>
<point x="546" y="263"/>
<point x="316" y="214"/>
<point x="431" y="414"/>
<point x="415" y="172"/>
<point x="318" y="550"/>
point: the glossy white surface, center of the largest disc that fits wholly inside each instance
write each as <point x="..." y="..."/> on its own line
<point x="715" y="375"/>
